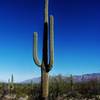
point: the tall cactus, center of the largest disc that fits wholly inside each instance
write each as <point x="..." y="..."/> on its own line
<point x="71" y="82"/>
<point x="45" y="65"/>
<point x="12" y="79"/>
<point x="11" y="85"/>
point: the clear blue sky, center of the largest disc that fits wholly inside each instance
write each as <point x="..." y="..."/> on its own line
<point x="77" y="37"/>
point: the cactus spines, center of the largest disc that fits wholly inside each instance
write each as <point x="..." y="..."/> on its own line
<point x="45" y="65"/>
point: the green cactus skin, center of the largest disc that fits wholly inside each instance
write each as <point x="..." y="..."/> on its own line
<point x="45" y="66"/>
<point x="12" y="82"/>
<point x="11" y="85"/>
<point x="71" y="82"/>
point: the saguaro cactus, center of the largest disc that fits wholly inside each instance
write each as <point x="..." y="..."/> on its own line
<point x="71" y="82"/>
<point x="47" y="43"/>
<point x="11" y="85"/>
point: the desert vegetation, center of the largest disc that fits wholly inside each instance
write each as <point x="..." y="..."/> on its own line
<point x="50" y="87"/>
<point x="60" y="88"/>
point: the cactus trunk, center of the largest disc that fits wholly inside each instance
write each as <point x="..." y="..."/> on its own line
<point x="44" y="84"/>
<point x="44" y="73"/>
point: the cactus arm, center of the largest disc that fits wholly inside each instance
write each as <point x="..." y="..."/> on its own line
<point x="51" y="61"/>
<point x="46" y="11"/>
<point x="35" y="57"/>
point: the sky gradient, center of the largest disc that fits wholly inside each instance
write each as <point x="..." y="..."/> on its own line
<point x="77" y="37"/>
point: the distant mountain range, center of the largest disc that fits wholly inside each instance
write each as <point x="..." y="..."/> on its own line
<point x="76" y="78"/>
<point x="34" y="80"/>
<point x="87" y="77"/>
